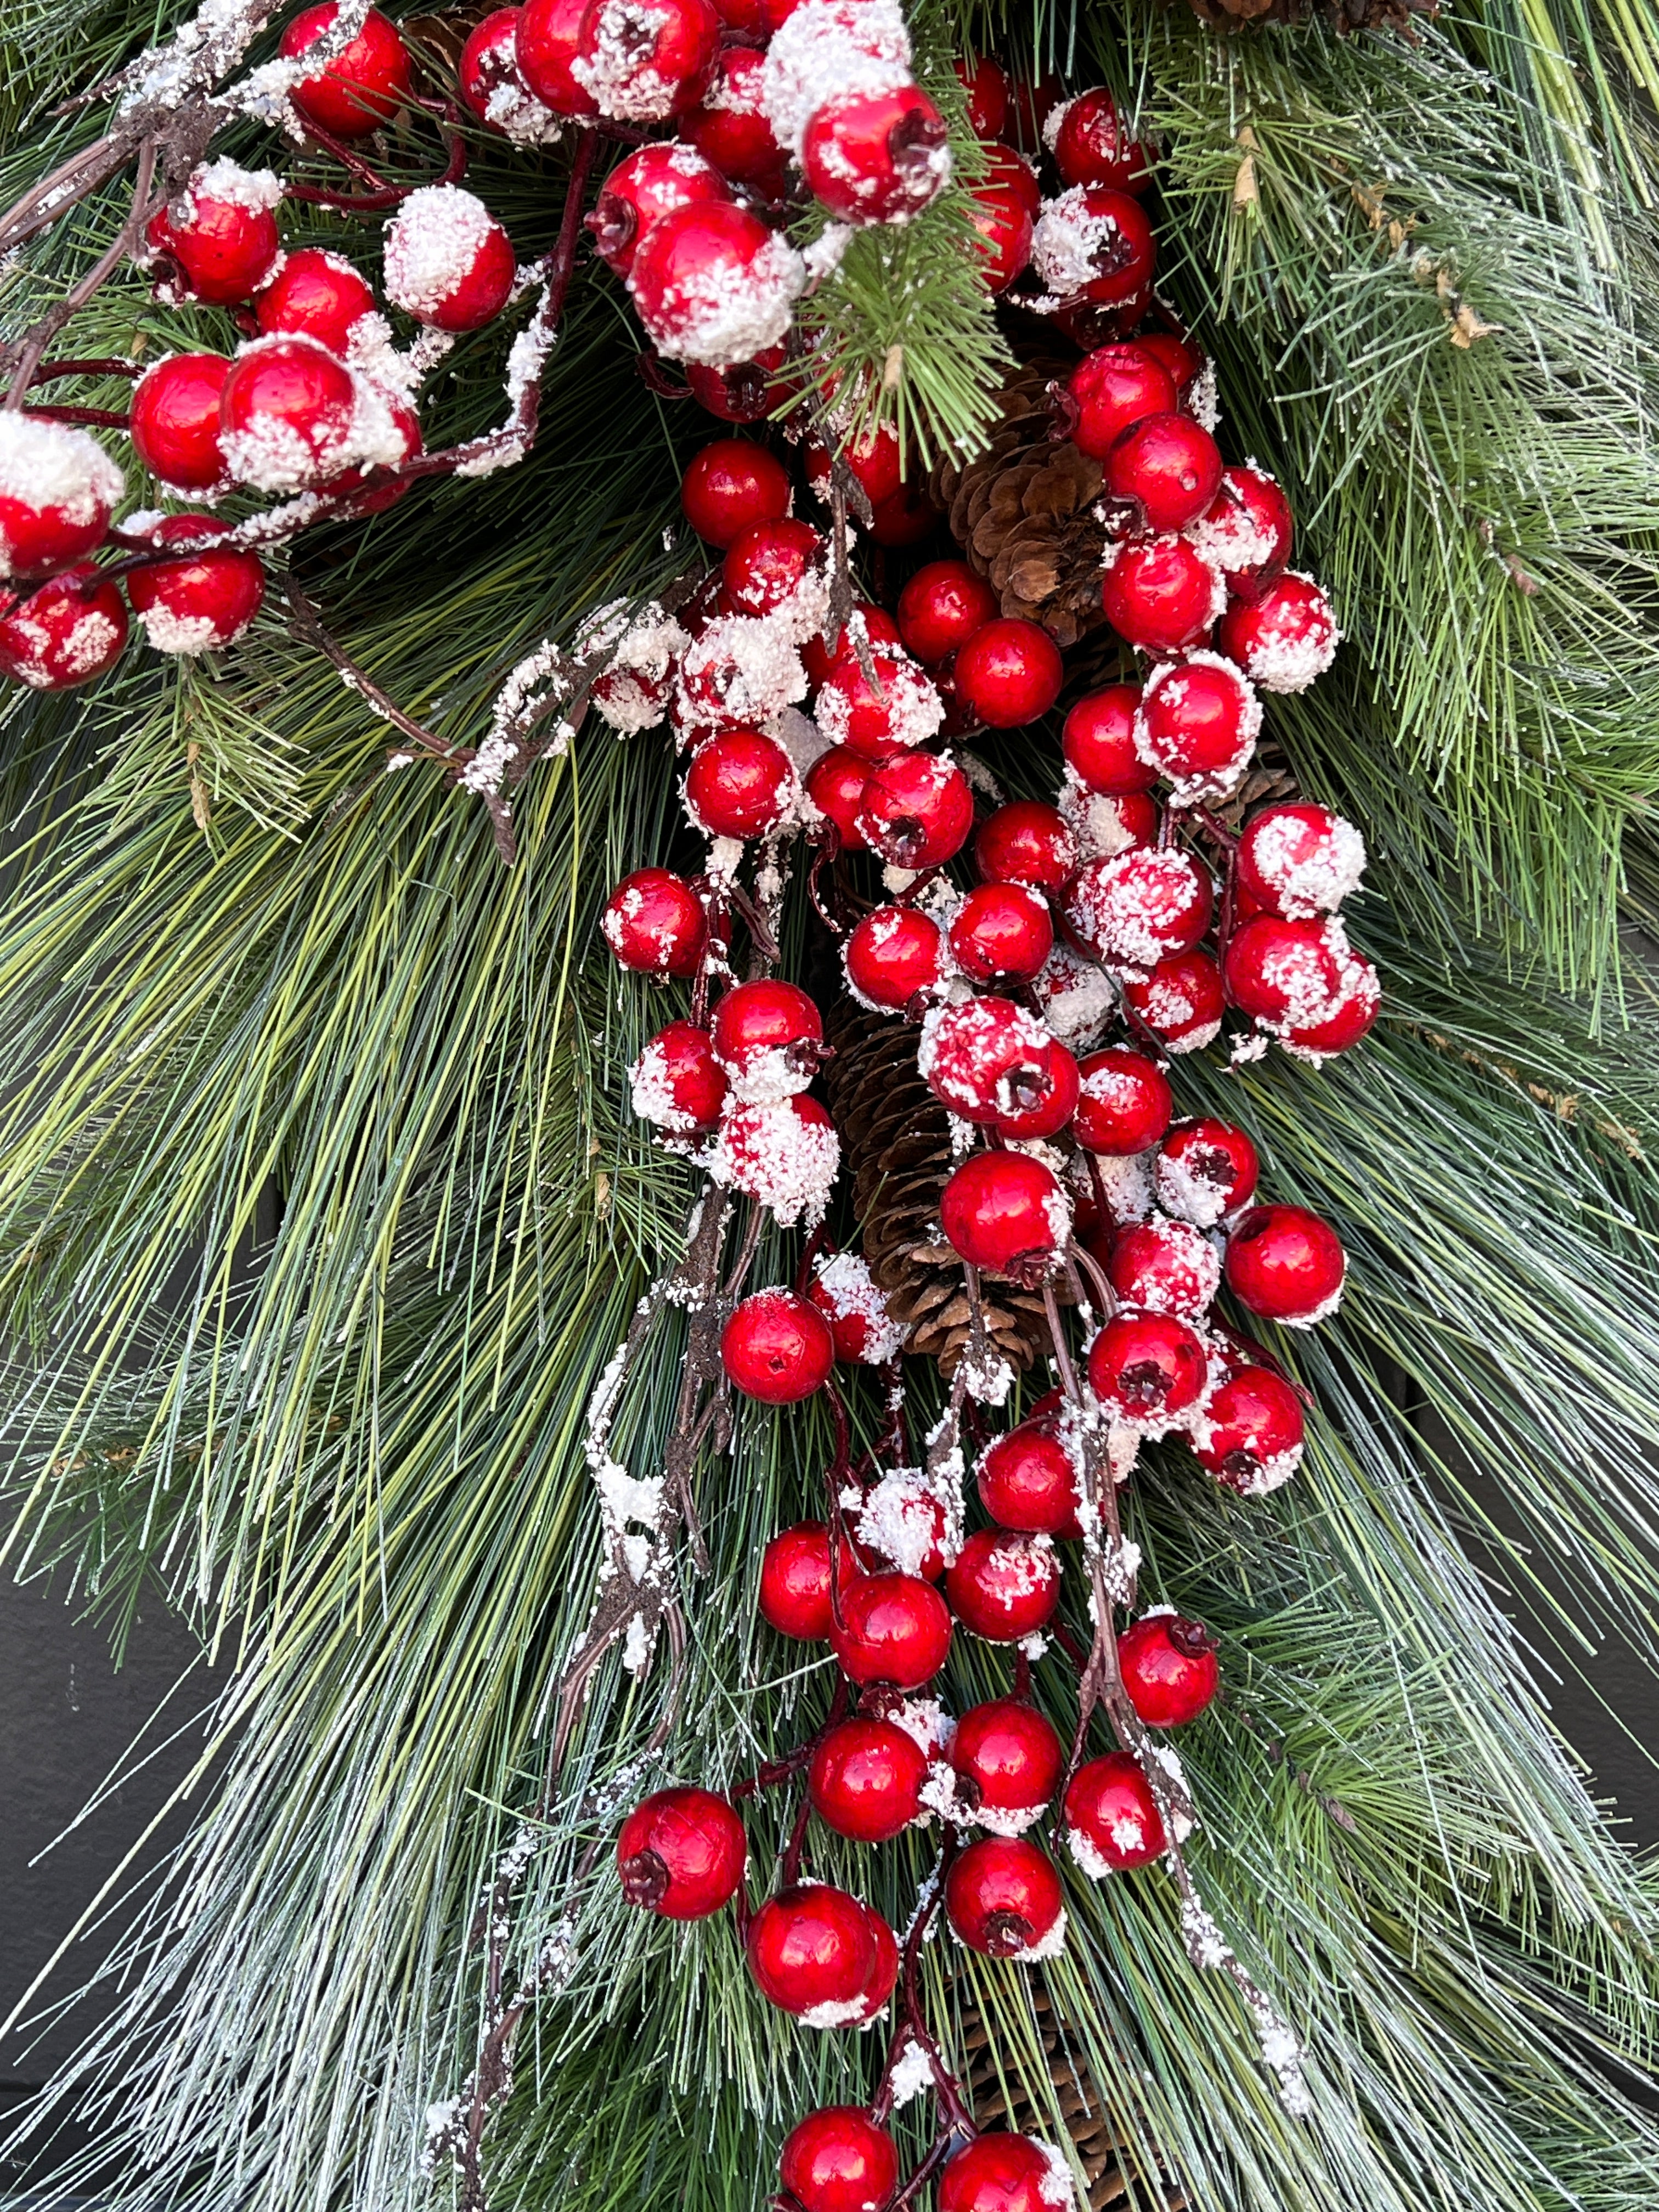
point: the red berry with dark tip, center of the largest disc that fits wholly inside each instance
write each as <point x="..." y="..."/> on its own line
<point x="682" y="1854"/>
<point x="777" y="1347"/>
<point x="893" y="955"/>
<point x="644" y="186"/>
<point x="1251" y="1433"/>
<point x="866" y="1779"/>
<point x="876" y="156"/>
<point x="768" y="1037"/>
<point x="1168" y="1668"/>
<point x="223" y="246"/>
<point x="1046" y="1116"/>
<point x="1147" y="1369"/>
<point x="1205" y="1169"/>
<point x="917" y="810"/>
<point x="1002" y="1897"/>
<point x="1091" y="145"/>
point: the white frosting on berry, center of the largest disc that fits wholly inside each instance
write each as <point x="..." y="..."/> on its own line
<point x="1294" y="644"/>
<point x="618" y="72"/>
<point x="50" y="467"/>
<point x="1166" y="691"/>
<point x="847" y="2012"/>
<point x="1131" y="910"/>
<point x="431" y="245"/>
<point x="772" y="1155"/>
<point x="742" y="667"/>
<point x="170" y="631"/>
<point x="1185" y="1191"/>
<point x="53" y="656"/>
<point x="1069" y="241"/>
<point x="1168" y="1009"/>
<point x="727" y="312"/>
<point x="914" y="711"/>
<point x="1094" y="819"/>
<point x="903" y="1516"/>
<point x="851" y="1291"/>
<point x="229" y="184"/>
<point x="825" y="50"/>
<point x="1127" y="1185"/>
<point x="1054" y="2184"/>
<point x="653" y="1085"/>
<point x="1310" y="872"/>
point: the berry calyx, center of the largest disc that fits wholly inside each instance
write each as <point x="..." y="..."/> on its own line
<point x="1160" y="594"/>
<point x="712" y="284"/>
<point x="1001" y="934"/>
<point x="315" y="295"/>
<point x="1112" y="1819"/>
<point x="1204" y="1170"/>
<point x="769" y="1037"/>
<point x="1111" y="390"/>
<point x="1134" y="909"/>
<point x="1165" y="1267"/>
<point x="1000" y="2172"/>
<point x="1250" y="1434"/>
<point x="893" y="956"/>
<point x="680" y="1854"/>
<point x="1198" y="725"/>
<point x="1008" y="673"/>
<point x="1026" y="841"/>
<point x="894" y="1628"/>
<point x="1006" y="1214"/>
<point x="1124" y="1103"/>
<point x="941" y="607"/>
<point x="1099" y="743"/>
<point x="1149" y="1369"/>
<point x="655" y="924"/>
<point x="987" y="1057"/>
<point x="1181" y="1000"/>
<point x="876" y="156"/>
<point x="361" y="88"/>
<point x="866" y="1779"/>
<point x="65" y="632"/>
<point x="58" y="489"/>
<point x="1286" y="637"/>
<point x="777" y="1347"/>
<point x="813" y="1952"/>
<point x="741" y="783"/>
<point x="203" y="600"/>
<point x="1299" y="860"/>
<point x="1046" y="1116"/>
<point x="1168" y="1668"/>
<point x="837" y="2159"/>
<point x="1002" y="1897"/>
<point x="732" y="485"/>
<point x="221" y="232"/>
<point x="1004" y="1585"/>
<point x="1008" y="1762"/>
<point x="678" y="1085"/>
<point x="1286" y="1264"/>
<point x="917" y="810"/>
<point x="1029" y="1479"/>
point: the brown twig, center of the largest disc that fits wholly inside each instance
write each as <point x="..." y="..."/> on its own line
<point x="30" y="349"/>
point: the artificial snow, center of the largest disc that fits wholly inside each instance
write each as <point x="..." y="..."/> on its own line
<point x="52" y="468"/>
<point x="910" y="698"/>
<point x="1310" y="872"/>
<point x="741" y="668"/>
<point x="851" y="1291"/>
<point x="827" y="49"/>
<point x="1294" y="645"/>
<point x="1070" y="243"/>
<point x="615" y="61"/>
<point x="731" y="309"/>
<point x="170" y="632"/>
<point x="772" y="1155"/>
<point x="432" y="247"/>
<point x="227" y="182"/>
<point x="911" y="2074"/>
<point x="1132" y="910"/>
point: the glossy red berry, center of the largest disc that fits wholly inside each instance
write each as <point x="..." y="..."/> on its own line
<point x="1250" y="1434"/>
<point x="1148" y="1370"/>
<point x="875" y="625"/>
<point x="1049" y="1113"/>
<point x="316" y="295"/>
<point x="1160" y="594"/>
<point x="1091" y="145"/>
<point x="712" y="282"/>
<point x="1181" y="1000"/>
<point x="682" y="1854"/>
<point x="1112" y="1816"/>
<point x="1124" y="1103"/>
<point x="1098" y="742"/>
<point x="834" y="784"/>
<point x="1008" y="1762"/>
<point x="286" y="412"/>
<point x="1005" y="1212"/>
<point x="448" y="262"/>
<point x="777" y="1347"/>
<point x="1004" y="1585"/>
<point x="795" y="1581"/>
<point x="894" y="1628"/>
<point x="732" y="485"/>
<point x="360" y="88"/>
<point x="677" y="1083"/>
<point x="876" y="156"/>
<point x="1029" y="1479"/>
<point x="894" y="955"/>
<point x="1001" y="934"/>
<point x="1286" y="1264"/>
<point x="876" y="461"/>
<point x="1348" y="1020"/>
<point x="221" y="232"/>
<point x="1205" y="1169"/>
<point x="58" y="489"/>
<point x="1165" y="1267"/>
<point x="769" y="1037"/>
<point x="174" y="425"/>
<point x="837" y="2159"/>
<point x="1166" y="469"/>
<point x="1247" y="531"/>
<point x="1286" y="637"/>
<point x="848" y="1296"/>
<point x="987" y="1057"/>
<point x="652" y="179"/>
<point x="1168" y="1668"/>
<point x="488" y="80"/>
<point x="902" y="709"/>
<point x="203" y="600"/>
<point x="1009" y="170"/>
<point x="1111" y="390"/>
<point x="1002" y="1897"/>
<point x="731" y="128"/>
<point x="1133" y="910"/>
<point x="986" y="84"/>
<point x="1026" y="842"/>
<point x="1300" y="860"/>
<point x="866" y="1779"/>
<point x="66" y="631"/>
<point x="641" y="66"/>
<point x="917" y="810"/>
<point x="546" y="48"/>
<point x="1095" y="246"/>
<point x="654" y="923"/>
<point x="1009" y="673"/>
<point x="1290" y="972"/>
<point x="1005" y="2173"/>
<point x="1199" y="722"/>
<point x="768" y="564"/>
<point x="1183" y="360"/>
<point x="813" y="1952"/>
<point x="941" y="607"/>
<point x="741" y="783"/>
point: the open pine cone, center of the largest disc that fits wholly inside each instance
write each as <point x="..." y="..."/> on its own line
<point x="897" y="1142"/>
<point x="1341" y="14"/>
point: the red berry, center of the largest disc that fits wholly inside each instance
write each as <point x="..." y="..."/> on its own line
<point x="1004" y="1585"/>
<point x="1300" y="860"/>
<point x="794" y="1583"/>
<point x="1124" y="1103"/>
<point x="1199" y="723"/>
<point x="1026" y="842"/>
<point x="768" y="564"/>
<point x="876" y="156"/>
<point x="1180" y="1000"/>
<point x="903" y="1521"/>
<point x="1098" y="742"/>
<point x="986" y="83"/>
<point x="1286" y="1264"/>
<point x="1351" y="1016"/>
<point x="875" y="459"/>
<point x="1247" y="531"/>
<point x="1204" y="1170"/>
<point x="941" y="607"/>
<point x="682" y="1854"/>
<point x="1160" y="594"/>
<point x="813" y="1952"/>
<point x="883" y="1974"/>
<point x="731" y="128"/>
<point x="712" y="284"/>
<point x="917" y="810"/>
<point x="1182" y="360"/>
<point x="1009" y="673"/>
<point x="786" y="1155"/>
<point x="203" y="600"/>
<point x="777" y="1348"/>
<point x="448" y="262"/>
<point x="1286" y="637"/>
<point x="741" y="393"/>
<point x="677" y="1083"/>
<point x="866" y="1779"/>
<point x="545" y="49"/>
<point x="894" y="954"/>
<point x="1050" y="1113"/>
<point x="1095" y="245"/>
<point x="316" y="295"/>
<point x="1008" y="1762"/>
<point x="175" y="422"/>
<point x="1250" y="1434"/>
<point x="1029" y="1479"/>
<point x="286" y="412"/>
<point x="1289" y="972"/>
<point x="653" y="179"/>
<point x="1167" y="469"/>
<point x="1147" y="1370"/>
<point x="769" y="1037"/>
<point x="987" y="1057"/>
<point x="1133" y="910"/>
<point x="1111" y="390"/>
<point x="878" y="627"/>
<point x="642" y="65"/>
<point x="654" y="923"/>
<point x="360" y="88"/>
<point x="848" y="1296"/>
<point x="1090" y="145"/>
<point x="1113" y="1816"/>
<point x="1031" y="104"/>
<point x="732" y="485"/>
<point x="1001" y="934"/>
<point x="905" y="518"/>
<point x="894" y="1628"/>
<point x="741" y="783"/>
<point x="1002" y="1897"/>
<point x="902" y="709"/>
<point x="57" y="488"/>
<point x="1168" y="1668"/>
<point x="834" y="784"/>
<point x="1004" y="2173"/>
<point x="1004" y="223"/>
<point x="490" y="82"/>
<point x="1009" y="170"/>
<point x="1165" y="1267"/>
<point x="221" y="232"/>
<point x="65" y="632"/>
<point x="837" y="2159"/>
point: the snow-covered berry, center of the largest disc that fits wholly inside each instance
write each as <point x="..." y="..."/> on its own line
<point x="1286" y="637"/>
<point x="57" y="488"/>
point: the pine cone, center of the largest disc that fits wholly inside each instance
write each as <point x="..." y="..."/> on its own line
<point x="1023" y="511"/>
<point x="1341" y="14"/>
<point x="897" y="1144"/>
<point x="1118" y="2182"/>
<point x="444" y="32"/>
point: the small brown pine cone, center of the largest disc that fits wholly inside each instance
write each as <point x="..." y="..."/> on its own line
<point x="1341" y="14"/>
<point x="1268" y="777"/>
<point x="445" y="31"/>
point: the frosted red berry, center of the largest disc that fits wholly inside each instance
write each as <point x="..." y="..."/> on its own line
<point x="286" y="414"/>
<point x="1165" y="1267"/>
<point x="813" y="1952"/>
<point x="848" y="1296"/>
<point x="1004" y="1585"/>
<point x="641" y="66"/>
<point x="941" y="607"/>
<point x="866" y="1779"/>
<point x="651" y="179"/>
<point x="837" y="2159"/>
<point x="1000" y="2172"/>
<point x="1166" y="469"/>
<point x="1098" y="742"/>
<point x="901" y="709"/>
<point x="1160" y="594"/>
<point x="768" y="564"/>
<point x="1124" y="1103"/>
<point x="1009" y="673"/>
<point x="654" y="923"/>
<point x="712" y="282"/>
<point x="1198" y="725"/>
<point x="1113" y="1817"/>
<point x="1048" y="1113"/>
<point x="1181" y="1000"/>
<point x="1286" y="638"/>
<point x="1350" y="1018"/>
<point x="1111" y="390"/>
<point x="1026" y="842"/>
<point x="876" y="156"/>
<point x="917" y="810"/>
<point x="224" y="246"/>
<point x="1286" y="1264"/>
<point x="58" y="489"/>
<point x="447" y="262"/>
<point x="875" y="625"/>
<point x="1094" y="246"/>
<point x="546" y="48"/>
<point x="741" y="783"/>
<point x="361" y="88"/>
<point x="1002" y="1897"/>
<point x="834" y="784"/>
<point x="490" y="82"/>
<point x="1205" y="1169"/>
<point x="894" y="955"/>
<point x="1147" y="1369"/>
<point x="1001" y="934"/>
<point x="731" y="485"/>
<point x="894" y="1628"/>
<point x="769" y="1037"/>
<point x="1251" y="1433"/>
<point x="1299" y="860"/>
<point x="1008" y="1762"/>
<point x="1246" y="531"/>
<point x="730" y="127"/>
<point x="1006" y="1213"/>
<point x="777" y="1347"/>
<point x="1028" y="1479"/>
<point x="1284" y="971"/>
<point x="1133" y="910"/>
<point x="680" y="1854"/>
<point x="317" y="295"/>
<point x="203" y="600"/>
<point x="987" y="1056"/>
<point x="1091" y="144"/>
<point x="984" y="83"/>
<point x="65" y="632"/>
<point x="678" y="1085"/>
<point x="1168" y="1668"/>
